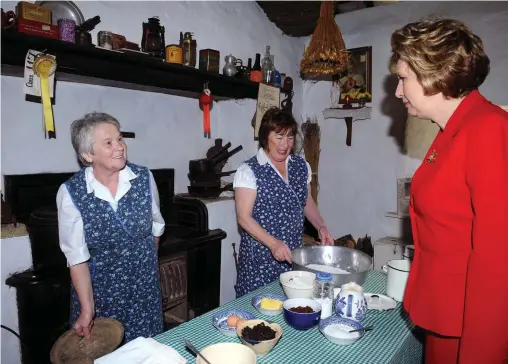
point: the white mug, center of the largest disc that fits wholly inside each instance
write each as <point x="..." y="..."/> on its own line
<point x="397" y="272"/>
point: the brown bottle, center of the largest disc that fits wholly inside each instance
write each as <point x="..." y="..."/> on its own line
<point x="255" y="73"/>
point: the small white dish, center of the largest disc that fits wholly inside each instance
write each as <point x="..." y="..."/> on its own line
<point x="380" y="302"/>
<point x="219" y="321"/>
<point x="256" y="302"/>
<point x="336" y="329"/>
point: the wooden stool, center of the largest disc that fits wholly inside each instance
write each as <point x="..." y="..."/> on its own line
<point x="106" y="336"/>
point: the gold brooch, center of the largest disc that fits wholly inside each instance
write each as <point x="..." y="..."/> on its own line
<point x="432" y="157"/>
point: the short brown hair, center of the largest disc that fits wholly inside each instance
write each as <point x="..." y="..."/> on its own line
<point x="276" y="120"/>
<point x="445" y="55"/>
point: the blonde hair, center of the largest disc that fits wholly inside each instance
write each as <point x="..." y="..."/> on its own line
<point x="445" y="55"/>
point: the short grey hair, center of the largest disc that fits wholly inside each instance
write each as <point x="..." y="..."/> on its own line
<point x="82" y="132"/>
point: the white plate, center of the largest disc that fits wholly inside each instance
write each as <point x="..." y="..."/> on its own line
<point x="380" y="302"/>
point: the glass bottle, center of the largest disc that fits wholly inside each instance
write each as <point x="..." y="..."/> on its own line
<point x="322" y="292"/>
<point x="255" y="73"/>
<point x="246" y="74"/>
<point x="267" y="67"/>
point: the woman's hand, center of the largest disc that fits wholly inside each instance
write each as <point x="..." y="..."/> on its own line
<point x="325" y="236"/>
<point x="281" y="251"/>
<point x="84" y="324"/>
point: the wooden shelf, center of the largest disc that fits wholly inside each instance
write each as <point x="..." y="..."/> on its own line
<point x="97" y="66"/>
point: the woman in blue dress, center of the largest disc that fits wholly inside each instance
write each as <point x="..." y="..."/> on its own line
<point x="272" y="200"/>
<point x="109" y="225"/>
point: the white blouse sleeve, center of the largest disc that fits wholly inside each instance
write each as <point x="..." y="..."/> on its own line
<point x="158" y="223"/>
<point x="309" y="170"/>
<point x="244" y="177"/>
<point x="70" y="229"/>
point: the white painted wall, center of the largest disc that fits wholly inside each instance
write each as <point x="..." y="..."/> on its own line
<point x="358" y="183"/>
<point x="168" y="128"/>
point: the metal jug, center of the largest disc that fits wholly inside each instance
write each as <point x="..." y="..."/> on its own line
<point x="230" y="67"/>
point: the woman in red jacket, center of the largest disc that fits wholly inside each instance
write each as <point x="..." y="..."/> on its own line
<point x="458" y="284"/>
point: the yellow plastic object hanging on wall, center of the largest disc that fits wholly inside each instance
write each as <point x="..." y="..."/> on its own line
<point x="44" y="67"/>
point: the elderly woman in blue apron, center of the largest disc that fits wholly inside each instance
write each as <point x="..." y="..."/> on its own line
<point x="273" y="198"/>
<point x="109" y="225"/>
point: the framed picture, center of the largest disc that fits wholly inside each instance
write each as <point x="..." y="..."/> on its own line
<point x="358" y="76"/>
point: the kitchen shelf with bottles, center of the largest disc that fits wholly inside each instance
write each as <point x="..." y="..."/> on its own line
<point x="97" y="66"/>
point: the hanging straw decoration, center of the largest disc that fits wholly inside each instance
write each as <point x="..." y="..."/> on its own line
<point x="326" y="53"/>
<point x="311" y="146"/>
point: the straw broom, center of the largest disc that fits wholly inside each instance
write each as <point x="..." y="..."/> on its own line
<point x="326" y="53"/>
<point x="311" y="146"/>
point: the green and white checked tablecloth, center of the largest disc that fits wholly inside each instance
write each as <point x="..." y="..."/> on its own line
<point x="391" y="341"/>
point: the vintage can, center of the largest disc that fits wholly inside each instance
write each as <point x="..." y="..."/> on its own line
<point x="105" y="39"/>
<point x="67" y="30"/>
<point x="209" y="60"/>
<point x="29" y="11"/>
<point x="174" y="54"/>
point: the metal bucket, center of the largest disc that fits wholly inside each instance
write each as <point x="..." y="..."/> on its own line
<point x="353" y="261"/>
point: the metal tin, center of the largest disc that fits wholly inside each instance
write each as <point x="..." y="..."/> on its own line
<point x="37" y="28"/>
<point x="67" y="30"/>
<point x="34" y="12"/>
<point x="209" y="60"/>
<point x="174" y="54"/>
<point x="105" y="39"/>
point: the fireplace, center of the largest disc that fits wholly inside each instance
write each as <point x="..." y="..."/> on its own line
<point x="189" y="260"/>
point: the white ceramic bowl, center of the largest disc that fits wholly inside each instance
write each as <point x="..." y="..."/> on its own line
<point x="228" y="353"/>
<point x="336" y="330"/>
<point x="297" y="284"/>
<point x="256" y="302"/>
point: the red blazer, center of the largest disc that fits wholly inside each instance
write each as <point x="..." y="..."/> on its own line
<point x="458" y="284"/>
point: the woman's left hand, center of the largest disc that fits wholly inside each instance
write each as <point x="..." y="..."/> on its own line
<point x="325" y="236"/>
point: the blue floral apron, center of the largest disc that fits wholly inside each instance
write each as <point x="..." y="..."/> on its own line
<point x="123" y="263"/>
<point x="279" y="210"/>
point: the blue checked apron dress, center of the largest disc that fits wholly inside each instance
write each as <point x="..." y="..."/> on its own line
<point x="123" y="263"/>
<point x="279" y="210"/>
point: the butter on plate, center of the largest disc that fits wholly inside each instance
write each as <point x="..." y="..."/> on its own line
<point x="270" y="304"/>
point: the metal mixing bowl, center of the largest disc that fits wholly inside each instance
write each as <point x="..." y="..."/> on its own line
<point x="354" y="261"/>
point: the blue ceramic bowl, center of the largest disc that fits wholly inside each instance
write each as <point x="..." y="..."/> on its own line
<point x="219" y="321"/>
<point x="301" y="321"/>
<point x="336" y="330"/>
<point x="256" y="302"/>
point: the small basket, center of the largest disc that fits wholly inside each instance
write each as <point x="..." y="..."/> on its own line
<point x="107" y="335"/>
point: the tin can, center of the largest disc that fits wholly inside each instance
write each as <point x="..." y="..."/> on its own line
<point x="105" y="39"/>
<point x="67" y="30"/>
<point x="174" y="54"/>
<point x="209" y="60"/>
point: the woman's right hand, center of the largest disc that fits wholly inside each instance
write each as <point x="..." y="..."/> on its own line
<point x="281" y="251"/>
<point x="84" y="324"/>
